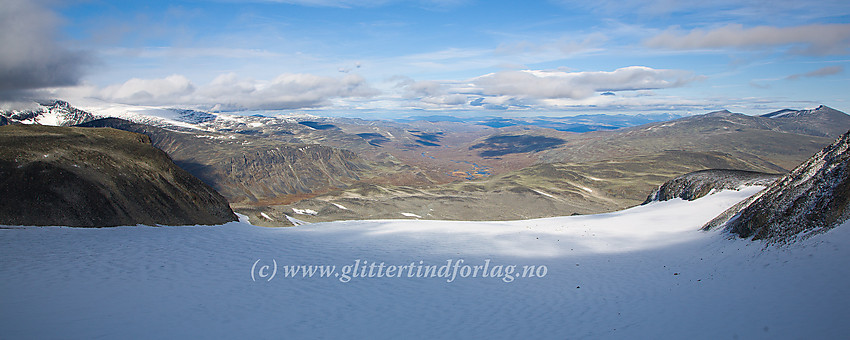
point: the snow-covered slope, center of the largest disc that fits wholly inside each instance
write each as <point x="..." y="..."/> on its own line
<point x="156" y="116"/>
<point x="61" y="113"/>
<point x="642" y="273"/>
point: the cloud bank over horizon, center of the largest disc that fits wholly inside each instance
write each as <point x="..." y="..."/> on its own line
<point x="500" y="90"/>
<point x="228" y="92"/>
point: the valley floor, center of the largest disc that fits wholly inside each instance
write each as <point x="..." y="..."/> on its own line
<point x="646" y="272"/>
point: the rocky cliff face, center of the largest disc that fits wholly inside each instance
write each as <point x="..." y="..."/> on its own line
<point x="87" y="177"/>
<point x="813" y="198"/>
<point x="697" y="184"/>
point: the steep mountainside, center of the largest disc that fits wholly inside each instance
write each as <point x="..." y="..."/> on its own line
<point x="697" y="184"/>
<point x="812" y="198"/>
<point x="95" y="178"/>
<point x="245" y="168"/>
<point x="56" y="112"/>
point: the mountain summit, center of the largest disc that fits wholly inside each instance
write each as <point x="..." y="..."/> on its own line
<point x="822" y="121"/>
<point x="787" y="113"/>
<point x="53" y="112"/>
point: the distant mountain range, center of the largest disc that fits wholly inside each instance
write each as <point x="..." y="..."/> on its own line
<point x="585" y="173"/>
<point x="579" y="123"/>
<point x="769" y="144"/>
<point x="452" y="168"/>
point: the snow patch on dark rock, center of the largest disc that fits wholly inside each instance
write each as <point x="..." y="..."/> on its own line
<point x="697" y="184"/>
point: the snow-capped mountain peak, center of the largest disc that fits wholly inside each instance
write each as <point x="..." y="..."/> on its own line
<point x="53" y="112"/>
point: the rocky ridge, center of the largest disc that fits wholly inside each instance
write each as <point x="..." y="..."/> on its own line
<point x="697" y="184"/>
<point x="813" y="198"/>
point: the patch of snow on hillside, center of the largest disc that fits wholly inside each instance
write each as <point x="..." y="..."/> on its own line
<point x="543" y="193"/>
<point x="305" y="211"/>
<point x="296" y="222"/>
<point x="49" y="118"/>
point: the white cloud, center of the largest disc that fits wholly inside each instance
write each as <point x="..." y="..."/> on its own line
<point x="538" y="89"/>
<point x="431" y="92"/>
<point x="577" y="85"/>
<point x="448" y="99"/>
<point x="171" y="89"/>
<point x="229" y="92"/>
<point x="424" y="89"/>
<point x="815" y="39"/>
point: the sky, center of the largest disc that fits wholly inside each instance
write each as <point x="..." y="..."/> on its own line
<point x="456" y="57"/>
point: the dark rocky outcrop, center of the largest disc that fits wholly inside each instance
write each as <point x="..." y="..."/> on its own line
<point x="87" y="177"/>
<point x="813" y="198"/>
<point x="697" y="184"/>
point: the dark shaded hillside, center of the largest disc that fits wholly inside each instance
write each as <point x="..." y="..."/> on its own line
<point x="244" y="168"/>
<point x="500" y="145"/>
<point x="97" y="177"/>
<point x="812" y="198"/>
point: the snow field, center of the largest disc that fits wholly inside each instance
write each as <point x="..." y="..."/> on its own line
<point x="646" y="272"/>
